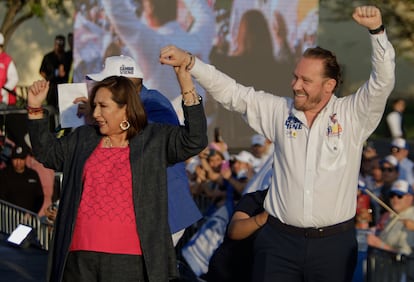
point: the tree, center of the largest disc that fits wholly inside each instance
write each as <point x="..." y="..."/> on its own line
<point x="19" y="11"/>
<point x="398" y="16"/>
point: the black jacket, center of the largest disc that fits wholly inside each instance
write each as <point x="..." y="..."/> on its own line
<point x="151" y="151"/>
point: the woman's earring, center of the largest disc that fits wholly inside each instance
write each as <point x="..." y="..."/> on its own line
<point x="125" y="125"/>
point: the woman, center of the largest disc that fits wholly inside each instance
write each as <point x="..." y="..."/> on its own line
<point x="112" y="220"/>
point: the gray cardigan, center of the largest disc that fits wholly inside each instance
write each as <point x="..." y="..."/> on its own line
<point x="151" y="151"/>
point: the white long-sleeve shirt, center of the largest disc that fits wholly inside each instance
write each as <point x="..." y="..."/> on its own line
<point x="315" y="170"/>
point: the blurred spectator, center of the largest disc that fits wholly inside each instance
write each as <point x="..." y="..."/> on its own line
<point x="219" y="144"/>
<point x="390" y="173"/>
<point x="47" y="179"/>
<point x="21" y="185"/>
<point x="400" y="150"/>
<point x="261" y="148"/>
<point x="69" y="56"/>
<point x="364" y="212"/>
<point x="238" y="173"/>
<point x="394" y="235"/>
<point x="55" y="68"/>
<point x="368" y="159"/>
<point x="369" y="151"/>
<point x="254" y="49"/>
<point x="375" y="184"/>
<point x="233" y="259"/>
<point x="208" y="180"/>
<point x="8" y="77"/>
<point x="394" y="119"/>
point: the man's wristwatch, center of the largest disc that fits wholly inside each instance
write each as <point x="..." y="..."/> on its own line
<point x="377" y="30"/>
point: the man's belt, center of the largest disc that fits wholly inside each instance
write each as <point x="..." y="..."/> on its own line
<point x="311" y="232"/>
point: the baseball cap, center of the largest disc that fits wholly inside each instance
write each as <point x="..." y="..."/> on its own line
<point x="244" y="157"/>
<point x="391" y="160"/>
<point x="117" y="66"/>
<point x="399" y="143"/>
<point x="19" y="152"/>
<point x="401" y="187"/>
<point x="258" y="139"/>
<point x="1" y="39"/>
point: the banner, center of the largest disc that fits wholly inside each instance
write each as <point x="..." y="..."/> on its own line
<point x="254" y="41"/>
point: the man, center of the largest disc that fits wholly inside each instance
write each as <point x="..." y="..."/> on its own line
<point x="394" y="236"/>
<point x="55" y="68"/>
<point x="21" y="185"/>
<point x="261" y="149"/>
<point x="8" y="76"/>
<point x="400" y="150"/>
<point x="182" y="210"/>
<point x="394" y="119"/>
<point x="310" y="234"/>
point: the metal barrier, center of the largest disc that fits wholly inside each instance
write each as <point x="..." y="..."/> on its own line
<point x="385" y="266"/>
<point x="11" y="216"/>
<point x="22" y="91"/>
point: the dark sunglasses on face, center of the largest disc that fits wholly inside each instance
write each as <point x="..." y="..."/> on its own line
<point x="395" y="149"/>
<point x="392" y="195"/>
<point x="387" y="169"/>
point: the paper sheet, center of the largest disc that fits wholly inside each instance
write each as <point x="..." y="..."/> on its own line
<point x="67" y="92"/>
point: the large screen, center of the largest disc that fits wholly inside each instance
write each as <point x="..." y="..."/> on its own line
<point x="254" y="41"/>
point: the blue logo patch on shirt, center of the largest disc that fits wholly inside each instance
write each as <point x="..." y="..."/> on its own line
<point x="292" y="124"/>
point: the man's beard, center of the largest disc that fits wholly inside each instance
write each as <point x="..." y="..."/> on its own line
<point x="306" y="103"/>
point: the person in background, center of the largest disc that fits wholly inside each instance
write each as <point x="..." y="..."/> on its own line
<point x="47" y="180"/>
<point x="254" y="49"/>
<point x="318" y="141"/>
<point x="400" y="150"/>
<point x="8" y="76"/>
<point x="233" y="259"/>
<point x="21" y="185"/>
<point x="375" y="184"/>
<point x="55" y="68"/>
<point x="239" y="173"/>
<point x="395" y="122"/>
<point x="262" y="149"/>
<point x="208" y="179"/>
<point x="394" y="236"/>
<point x="114" y="185"/>
<point x="390" y="173"/>
<point x="69" y="56"/>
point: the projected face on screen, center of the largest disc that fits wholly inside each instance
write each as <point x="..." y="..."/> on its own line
<point x="255" y="41"/>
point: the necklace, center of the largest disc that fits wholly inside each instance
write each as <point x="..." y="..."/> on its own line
<point x="107" y="143"/>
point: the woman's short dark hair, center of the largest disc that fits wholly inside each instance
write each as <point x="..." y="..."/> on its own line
<point x="124" y="93"/>
<point x="331" y="66"/>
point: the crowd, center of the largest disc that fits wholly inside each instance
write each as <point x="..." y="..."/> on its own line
<point x="135" y="163"/>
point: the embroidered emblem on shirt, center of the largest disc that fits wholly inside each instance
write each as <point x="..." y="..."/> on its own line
<point x="334" y="128"/>
<point x="292" y="125"/>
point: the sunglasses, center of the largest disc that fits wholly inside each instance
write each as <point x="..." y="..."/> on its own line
<point x="392" y="195"/>
<point x="395" y="149"/>
<point x="387" y="169"/>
